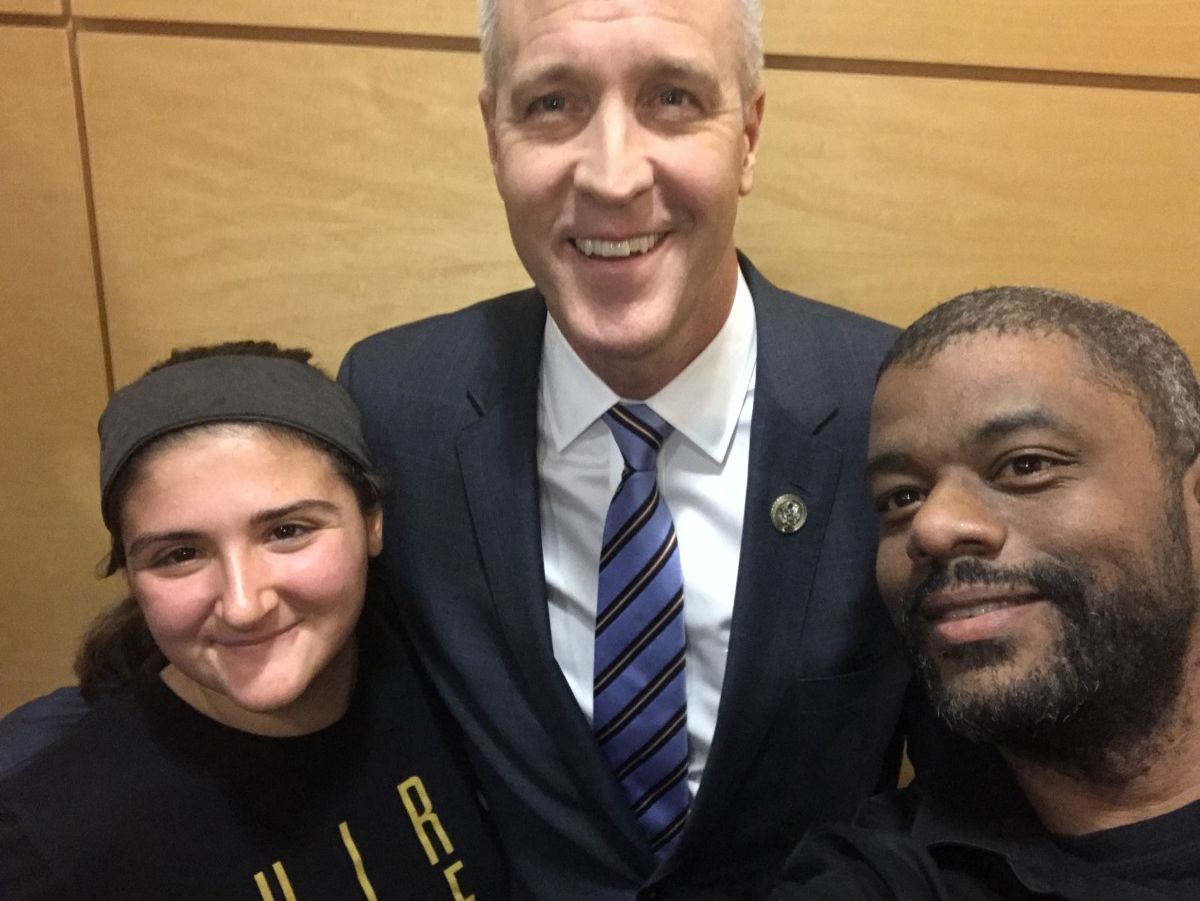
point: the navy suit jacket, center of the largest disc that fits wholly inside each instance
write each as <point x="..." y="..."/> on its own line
<point x="815" y="678"/>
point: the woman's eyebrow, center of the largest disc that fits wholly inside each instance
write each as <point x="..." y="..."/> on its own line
<point x="305" y="505"/>
<point x="148" y="538"/>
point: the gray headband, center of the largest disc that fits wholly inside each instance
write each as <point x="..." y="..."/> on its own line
<point x="231" y="388"/>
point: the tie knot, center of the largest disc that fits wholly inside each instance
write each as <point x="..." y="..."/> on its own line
<point x="640" y="433"/>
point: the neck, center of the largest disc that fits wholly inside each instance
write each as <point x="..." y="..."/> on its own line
<point x="1142" y="780"/>
<point x="640" y="375"/>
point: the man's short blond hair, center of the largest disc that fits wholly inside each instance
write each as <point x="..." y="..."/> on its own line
<point x="750" y="17"/>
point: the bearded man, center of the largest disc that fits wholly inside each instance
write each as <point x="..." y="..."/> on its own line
<point x="1033" y="462"/>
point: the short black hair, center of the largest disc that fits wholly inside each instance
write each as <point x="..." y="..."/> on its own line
<point x="1128" y="351"/>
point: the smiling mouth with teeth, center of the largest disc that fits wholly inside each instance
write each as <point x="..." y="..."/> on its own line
<point x="630" y="247"/>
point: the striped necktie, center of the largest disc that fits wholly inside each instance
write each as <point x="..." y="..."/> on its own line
<point x="639" y="693"/>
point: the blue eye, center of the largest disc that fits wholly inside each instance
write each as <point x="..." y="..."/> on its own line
<point x="550" y="103"/>
<point x="674" y="97"/>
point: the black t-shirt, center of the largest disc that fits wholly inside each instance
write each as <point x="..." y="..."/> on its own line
<point x="147" y="799"/>
<point x="1162" y="853"/>
<point x="975" y="838"/>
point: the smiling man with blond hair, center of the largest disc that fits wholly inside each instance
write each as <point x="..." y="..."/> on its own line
<point x="631" y="537"/>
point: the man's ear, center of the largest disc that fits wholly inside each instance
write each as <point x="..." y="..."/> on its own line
<point x="1190" y="492"/>
<point x="752" y="131"/>
<point x="487" y="108"/>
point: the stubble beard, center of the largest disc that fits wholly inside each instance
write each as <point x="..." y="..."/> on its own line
<point x="1095" y="705"/>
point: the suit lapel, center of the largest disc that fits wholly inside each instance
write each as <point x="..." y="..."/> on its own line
<point x="792" y="399"/>
<point x="498" y="458"/>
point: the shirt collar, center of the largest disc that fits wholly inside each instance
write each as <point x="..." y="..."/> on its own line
<point x="703" y="403"/>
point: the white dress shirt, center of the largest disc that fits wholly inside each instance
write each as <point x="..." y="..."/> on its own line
<point x="702" y="472"/>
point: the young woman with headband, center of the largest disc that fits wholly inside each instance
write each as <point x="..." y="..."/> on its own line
<point x="267" y="743"/>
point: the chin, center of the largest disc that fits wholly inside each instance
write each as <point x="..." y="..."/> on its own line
<point x="273" y="700"/>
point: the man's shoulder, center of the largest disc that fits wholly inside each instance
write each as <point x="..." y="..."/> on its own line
<point x="441" y="361"/>
<point x="789" y="323"/>
<point x="96" y="760"/>
<point x="873" y="858"/>
<point x="893" y="810"/>
<point x="510" y="318"/>
<point x="38" y="724"/>
<point x="789" y="308"/>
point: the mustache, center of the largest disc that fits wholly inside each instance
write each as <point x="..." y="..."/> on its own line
<point x="1059" y="583"/>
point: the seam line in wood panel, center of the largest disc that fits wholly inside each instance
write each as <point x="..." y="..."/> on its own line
<point x="89" y="196"/>
<point x="775" y="61"/>
<point x="961" y="72"/>
<point x="331" y="36"/>
<point x="32" y="20"/>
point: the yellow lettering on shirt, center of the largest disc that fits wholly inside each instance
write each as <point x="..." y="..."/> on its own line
<point x="352" y="849"/>
<point x="451" y="874"/>
<point x="426" y="824"/>
<point x="424" y="820"/>
<point x="264" y="887"/>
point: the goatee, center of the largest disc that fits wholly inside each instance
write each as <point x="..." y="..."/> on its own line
<point x="1113" y="673"/>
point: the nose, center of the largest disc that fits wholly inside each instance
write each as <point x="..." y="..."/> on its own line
<point x="614" y="165"/>
<point x="955" y="520"/>
<point x="248" y="594"/>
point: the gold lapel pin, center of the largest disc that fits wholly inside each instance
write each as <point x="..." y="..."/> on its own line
<point x="789" y="513"/>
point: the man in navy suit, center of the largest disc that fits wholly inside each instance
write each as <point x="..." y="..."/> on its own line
<point x="622" y="135"/>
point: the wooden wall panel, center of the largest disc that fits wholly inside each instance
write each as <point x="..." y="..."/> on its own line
<point x="313" y="193"/>
<point x="1146" y="37"/>
<point x="306" y="193"/>
<point x="886" y="194"/>
<point x="44" y="7"/>
<point x="440" y="17"/>
<point x="52" y="371"/>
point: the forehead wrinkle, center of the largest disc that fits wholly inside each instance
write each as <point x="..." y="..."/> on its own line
<point x="678" y="68"/>
<point x="601" y="11"/>
<point x="539" y="27"/>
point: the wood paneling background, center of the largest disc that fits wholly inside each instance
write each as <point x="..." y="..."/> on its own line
<point x="1134" y="37"/>
<point x="32" y="7"/>
<point x="312" y="193"/>
<point x="181" y="171"/>
<point x="435" y="17"/>
<point x="52" y="369"/>
<point x="885" y="194"/>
